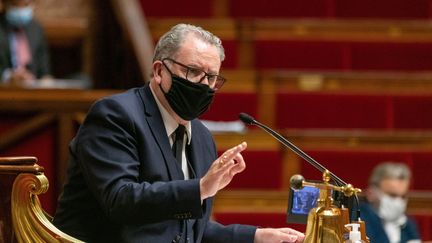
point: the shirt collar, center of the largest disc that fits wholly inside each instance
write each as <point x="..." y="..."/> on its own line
<point x="169" y="122"/>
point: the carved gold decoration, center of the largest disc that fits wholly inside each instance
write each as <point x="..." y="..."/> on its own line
<point x="28" y="218"/>
<point x="326" y="222"/>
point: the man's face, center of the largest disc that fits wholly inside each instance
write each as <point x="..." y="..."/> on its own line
<point x="197" y="54"/>
<point x="193" y="54"/>
<point x="391" y="199"/>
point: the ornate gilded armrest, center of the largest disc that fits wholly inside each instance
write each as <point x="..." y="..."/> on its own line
<point x="22" y="180"/>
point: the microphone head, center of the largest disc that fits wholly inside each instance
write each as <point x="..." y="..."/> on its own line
<point x="246" y="118"/>
<point x="296" y="182"/>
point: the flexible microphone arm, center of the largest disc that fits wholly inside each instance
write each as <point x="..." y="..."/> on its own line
<point x="251" y="121"/>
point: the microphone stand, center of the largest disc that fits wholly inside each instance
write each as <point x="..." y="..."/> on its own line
<point x="250" y="120"/>
<point x="339" y="182"/>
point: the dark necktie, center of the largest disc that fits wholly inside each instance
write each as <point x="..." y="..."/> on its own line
<point x="177" y="147"/>
<point x="178" y="144"/>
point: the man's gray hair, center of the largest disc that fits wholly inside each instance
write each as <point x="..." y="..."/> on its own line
<point x="171" y="41"/>
<point x="389" y="170"/>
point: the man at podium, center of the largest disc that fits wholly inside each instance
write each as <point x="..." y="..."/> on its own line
<point x="144" y="169"/>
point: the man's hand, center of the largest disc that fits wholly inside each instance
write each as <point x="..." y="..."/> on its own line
<point x="270" y="235"/>
<point x="222" y="171"/>
<point x="21" y="77"/>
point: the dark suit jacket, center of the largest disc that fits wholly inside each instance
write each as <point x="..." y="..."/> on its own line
<point x="40" y="64"/>
<point x="375" y="230"/>
<point x="124" y="184"/>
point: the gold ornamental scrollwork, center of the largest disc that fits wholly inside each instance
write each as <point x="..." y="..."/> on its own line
<point x="29" y="220"/>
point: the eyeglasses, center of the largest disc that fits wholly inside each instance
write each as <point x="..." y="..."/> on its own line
<point x="197" y="75"/>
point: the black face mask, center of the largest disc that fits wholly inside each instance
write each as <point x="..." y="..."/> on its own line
<point x="189" y="100"/>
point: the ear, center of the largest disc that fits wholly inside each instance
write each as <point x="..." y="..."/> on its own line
<point x="372" y="194"/>
<point x="157" y="71"/>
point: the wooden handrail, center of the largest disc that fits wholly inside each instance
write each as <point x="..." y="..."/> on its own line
<point x="366" y="82"/>
<point x="50" y="99"/>
<point x="342" y="30"/>
<point x="331" y="138"/>
<point x="277" y="201"/>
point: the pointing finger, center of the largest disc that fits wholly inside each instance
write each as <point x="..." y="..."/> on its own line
<point x="232" y="152"/>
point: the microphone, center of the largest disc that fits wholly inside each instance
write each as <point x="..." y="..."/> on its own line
<point x="251" y="121"/>
<point x="247" y="119"/>
<point x="295" y="183"/>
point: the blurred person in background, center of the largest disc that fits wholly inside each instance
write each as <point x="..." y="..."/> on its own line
<point x="24" y="54"/>
<point x="385" y="210"/>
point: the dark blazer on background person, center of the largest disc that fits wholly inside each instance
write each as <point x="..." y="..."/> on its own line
<point x="40" y="64"/>
<point x="375" y="229"/>
<point x="124" y="184"/>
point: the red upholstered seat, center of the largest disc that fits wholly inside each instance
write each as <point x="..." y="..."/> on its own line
<point x="40" y="145"/>
<point x="342" y="55"/>
<point x="348" y="111"/>
<point x="326" y="110"/>
<point x="307" y="55"/>
<point x="391" y="56"/>
<point x="421" y="171"/>
<point x="383" y="9"/>
<point x="227" y="106"/>
<point x="263" y="171"/>
<point x="424" y="224"/>
<point x="413" y="112"/>
<point x="231" y="53"/>
<point x="388" y="9"/>
<point x="278" y="8"/>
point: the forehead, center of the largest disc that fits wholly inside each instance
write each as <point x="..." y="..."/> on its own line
<point x="196" y="51"/>
<point x="395" y="186"/>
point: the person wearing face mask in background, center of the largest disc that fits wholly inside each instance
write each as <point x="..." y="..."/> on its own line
<point x="24" y="54"/>
<point x="385" y="210"/>
<point x="143" y="168"/>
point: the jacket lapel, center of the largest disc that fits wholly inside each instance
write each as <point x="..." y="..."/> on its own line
<point x="197" y="155"/>
<point x="157" y="128"/>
